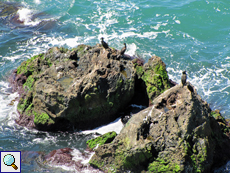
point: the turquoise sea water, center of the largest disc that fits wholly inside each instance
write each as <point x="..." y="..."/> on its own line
<point x="191" y="35"/>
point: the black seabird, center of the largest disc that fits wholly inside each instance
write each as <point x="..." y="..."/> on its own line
<point x="104" y="44"/>
<point x="183" y="78"/>
<point x="190" y="88"/>
<point x="123" y="49"/>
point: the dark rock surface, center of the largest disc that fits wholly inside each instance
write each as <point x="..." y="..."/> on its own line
<point x="177" y="134"/>
<point x="84" y="87"/>
<point x="89" y="86"/>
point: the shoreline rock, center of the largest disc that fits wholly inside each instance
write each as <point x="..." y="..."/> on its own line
<point x="83" y="88"/>
<point x="75" y="87"/>
<point x="65" y="157"/>
<point x="177" y="134"/>
<point x="89" y="86"/>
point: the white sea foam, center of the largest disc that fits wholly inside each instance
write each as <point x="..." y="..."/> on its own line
<point x="211" y="83"/>
<point x="156" y="27"/>
<point x="105" y="20"/>
<point x="84" y="159"/>
<point x="47" y="140"/>
<point x="131" y="50"/>
<point x="8" y="104"/>
<point x="71" y="42"/>
<point x="177" y="21"/>
<point x="13" y="58"/>
<point x="25" y="16"/>
<point x="37" y="1"/>
<point x="116" y="126"/>
<point x="66" y="168"/>
<point x="127" y="34"/>
<point x="77" y="156"/>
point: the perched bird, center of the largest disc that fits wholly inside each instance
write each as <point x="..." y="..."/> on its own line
<point x="183" y="78"/>
<point x="104" y="44"/>
<point x="123" y="49"/>
<point x="190" y="88"/>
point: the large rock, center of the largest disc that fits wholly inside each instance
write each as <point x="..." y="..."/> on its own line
<point x="177" y="134"/>
<point x="84" y="87"/>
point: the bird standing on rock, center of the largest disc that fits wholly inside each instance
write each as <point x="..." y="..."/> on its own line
<point x="104" y="44"/>
<point x="123" y="49"/>
<point x="183" y="78"/>
<point x="190" y="88"/>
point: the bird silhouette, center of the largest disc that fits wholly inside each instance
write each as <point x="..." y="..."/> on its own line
<point x="123" y="49"/>
<point x="104" y="44"/>
<point x="183" y="78"/>
<point x="190" y="88"/>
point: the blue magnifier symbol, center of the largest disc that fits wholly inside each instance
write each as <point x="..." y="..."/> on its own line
<point x="9" y="160"/>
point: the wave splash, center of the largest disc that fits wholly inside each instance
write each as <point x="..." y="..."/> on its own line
<point x="26" y="17"/>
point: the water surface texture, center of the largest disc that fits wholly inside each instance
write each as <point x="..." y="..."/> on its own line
<point x="191" y="35"/>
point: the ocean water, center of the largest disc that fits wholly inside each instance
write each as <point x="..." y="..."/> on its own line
<point x="191" y="35"/>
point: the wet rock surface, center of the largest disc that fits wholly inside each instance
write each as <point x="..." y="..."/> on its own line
<point x="73" y="161"/>
<point x="177" y="134"/>
<point x="65" y="88"/>
<point x="85" y="87"/>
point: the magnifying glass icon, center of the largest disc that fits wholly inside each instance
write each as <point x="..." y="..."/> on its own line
<point x="9" y="160"/>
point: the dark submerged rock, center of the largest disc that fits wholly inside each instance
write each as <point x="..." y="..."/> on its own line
<point x="9" y="16"/>
<point x="66" y="157"/>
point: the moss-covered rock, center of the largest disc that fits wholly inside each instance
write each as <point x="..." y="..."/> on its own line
<point x="42" y="119"/>
<point x="163" y="165"/>
<point x="154" y="75"/>
<point x="224" y="124"/>
<point x="103" y="139"/>
<point x="177" y="134"/>
<point x="31" y="66"/>
<point x="84" y="87"/>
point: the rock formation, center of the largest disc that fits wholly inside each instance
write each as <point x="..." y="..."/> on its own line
<point x="87" y="86"/>
<point x="84" y="87"/>
<point x="177" y="134"/>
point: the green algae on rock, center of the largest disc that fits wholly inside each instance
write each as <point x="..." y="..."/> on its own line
<point x="103" y="139"/>
<point x="84" y="87"/>
<point x="224" y="123"/>
<point x="154" y="75"/>
<point x="177" y="134"/>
